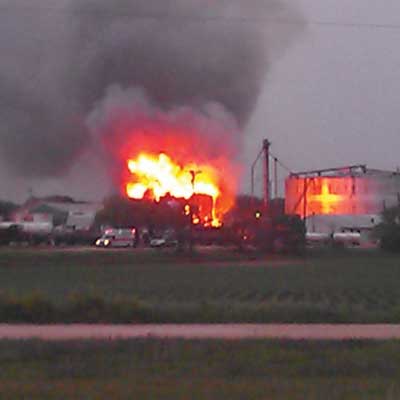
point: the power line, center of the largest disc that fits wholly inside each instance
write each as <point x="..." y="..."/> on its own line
<point x="209" y="18"/>
<point x="281" y="163"/>
<point x="357" y="25"/>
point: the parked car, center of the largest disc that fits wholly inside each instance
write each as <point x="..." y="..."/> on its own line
<point x="118" y="238"/>
<point x="166" y="239"/>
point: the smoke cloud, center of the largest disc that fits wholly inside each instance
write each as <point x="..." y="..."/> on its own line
<point x="59" y="61"/>
<point x="126" y="122"/>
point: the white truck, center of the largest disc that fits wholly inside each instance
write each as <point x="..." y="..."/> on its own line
<point x="118" y="238"/>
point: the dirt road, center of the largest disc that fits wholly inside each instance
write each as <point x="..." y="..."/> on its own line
<point x="209" y="331"/>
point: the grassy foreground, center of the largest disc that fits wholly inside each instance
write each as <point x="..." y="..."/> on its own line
<point x="151" y="286"/>
<point x="199" y="370"/>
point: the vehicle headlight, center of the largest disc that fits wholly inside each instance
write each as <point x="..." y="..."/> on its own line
<point x="98" y="242"/>
<point x="106" y="242"/>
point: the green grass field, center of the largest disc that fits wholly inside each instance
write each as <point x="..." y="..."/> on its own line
<point x="149" y="369"/>
<point x="151" y="286"/>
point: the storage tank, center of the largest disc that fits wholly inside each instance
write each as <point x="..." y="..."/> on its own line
<point x="341" y="191"/>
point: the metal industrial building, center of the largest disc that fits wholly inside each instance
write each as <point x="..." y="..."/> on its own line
<point x="341" y="199"/>
<point x="58" y="210"/>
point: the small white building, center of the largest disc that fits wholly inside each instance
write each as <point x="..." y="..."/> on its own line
<point x="59" y="211"/>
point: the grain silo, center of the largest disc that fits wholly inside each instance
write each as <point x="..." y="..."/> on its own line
<point x="354" y="192"/>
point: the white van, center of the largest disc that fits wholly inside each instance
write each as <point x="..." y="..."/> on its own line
<point x="118" y="238"/>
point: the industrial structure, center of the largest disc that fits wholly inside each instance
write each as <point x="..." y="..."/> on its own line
<point x="57" y="211"/>
<point x="270" y="186"/>
<point x="345" y="199"/>
<point x="353" y="190"/>
<point x="340" y="202"/>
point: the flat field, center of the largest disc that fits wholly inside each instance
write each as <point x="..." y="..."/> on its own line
<point x="88" y="285"/>
<point x="149" y="369"/>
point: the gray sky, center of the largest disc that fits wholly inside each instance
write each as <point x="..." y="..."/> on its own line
<point x="331" y="99"/>
<point x="334" y="98"/>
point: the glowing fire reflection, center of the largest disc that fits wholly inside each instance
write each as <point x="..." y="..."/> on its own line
<point x="326" y="199"/>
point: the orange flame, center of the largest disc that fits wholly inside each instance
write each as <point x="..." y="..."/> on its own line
<point x="158" y="175"/>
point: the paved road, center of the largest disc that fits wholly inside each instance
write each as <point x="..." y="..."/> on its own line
<point x="208" y="331"/>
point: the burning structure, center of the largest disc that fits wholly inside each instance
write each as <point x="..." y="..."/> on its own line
<point x="184" y="155"/>
<point x="157" y="176"/>
<point x="349" y="198"/>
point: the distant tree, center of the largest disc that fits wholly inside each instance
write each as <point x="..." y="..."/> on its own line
<point x="248" y="207"/>
<point x="59" y="199"/>
<point x="388" y="231"/>
<point x="6" y="208"/>
<point x="122" y="212"/>
<point x="245" y="207"/>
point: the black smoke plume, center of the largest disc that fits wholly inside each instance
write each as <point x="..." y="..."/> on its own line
<point x="60" y="58"/>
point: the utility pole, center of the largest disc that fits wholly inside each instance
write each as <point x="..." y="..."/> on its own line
<point x="267" y="194"/>
<point x="305" y="187"/>
<point x="275" y="178"/>
<point x="253" y="167"/>
<point x="193" y="174"/>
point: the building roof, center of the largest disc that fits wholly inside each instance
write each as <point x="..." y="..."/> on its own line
<point x="352" y="170"/>
<point x="64" y="210"/>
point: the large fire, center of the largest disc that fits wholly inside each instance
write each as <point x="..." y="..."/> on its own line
<point x="156" y="176"/>
<point x="182" y="158"/>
